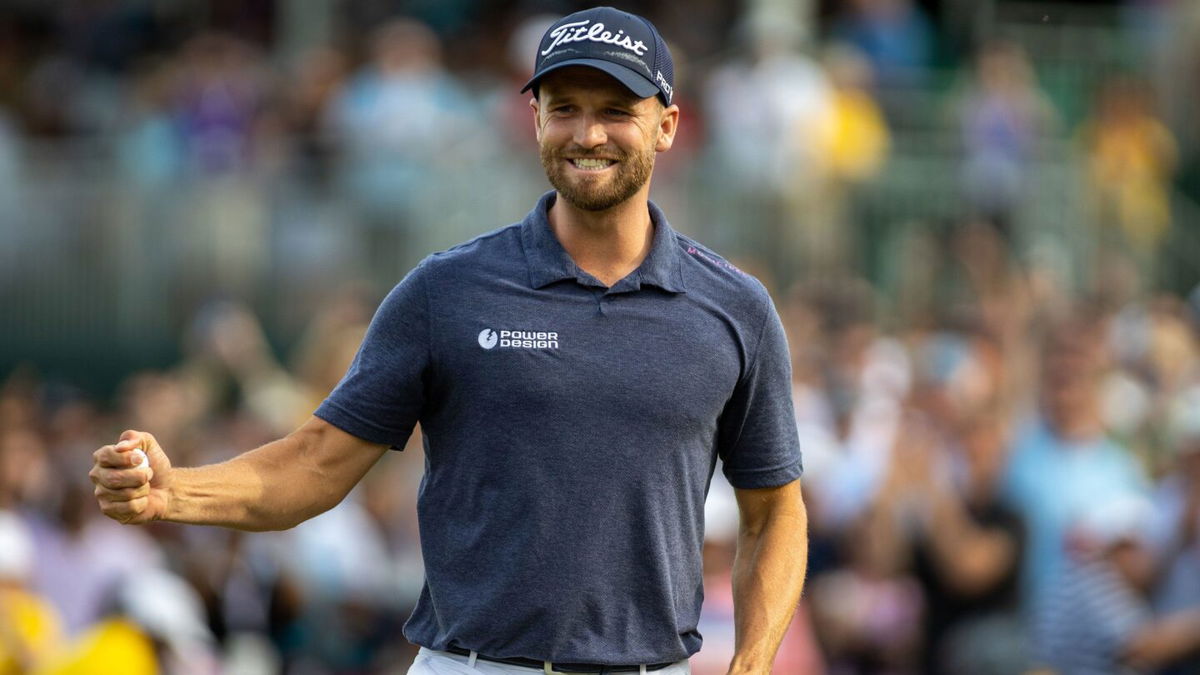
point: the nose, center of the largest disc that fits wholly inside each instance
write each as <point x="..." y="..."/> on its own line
<point x="590" y="132"/>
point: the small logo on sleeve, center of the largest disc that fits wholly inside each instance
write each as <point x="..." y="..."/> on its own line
<point x="518" y="339"/>
<point x="692" y="250"/>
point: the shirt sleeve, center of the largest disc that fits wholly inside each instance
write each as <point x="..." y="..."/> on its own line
<point x="382" y="395"/>
<point x="758" y="442"/>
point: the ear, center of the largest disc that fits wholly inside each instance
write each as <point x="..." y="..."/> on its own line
<point x="667" y="126"/>
<point x="537" y="121"/>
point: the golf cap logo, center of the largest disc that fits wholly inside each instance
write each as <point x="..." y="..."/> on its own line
<point x="579" y="31"/>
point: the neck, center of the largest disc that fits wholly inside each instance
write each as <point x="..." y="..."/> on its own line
<point x="606" y="244"/>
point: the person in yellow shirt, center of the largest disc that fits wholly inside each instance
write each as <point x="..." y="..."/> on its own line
<point x="850" y="143"/>
<point x="30" y="629"/>
<point x="1130" y="157"/>
<point x="856" y="138"/>
<point x="31" y="633"/>
<point x="114" y="645"/>
<point x="157" y="625"/>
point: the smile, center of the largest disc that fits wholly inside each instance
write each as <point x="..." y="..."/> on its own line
<point x="591" y="164"/>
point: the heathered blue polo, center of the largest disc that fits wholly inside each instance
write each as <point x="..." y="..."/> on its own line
<point x="571" y="431"/>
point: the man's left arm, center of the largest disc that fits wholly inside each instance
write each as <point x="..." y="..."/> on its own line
<point x="768" y="573"/>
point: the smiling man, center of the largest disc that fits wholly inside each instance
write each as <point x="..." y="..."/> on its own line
<point x="576" y="375"/>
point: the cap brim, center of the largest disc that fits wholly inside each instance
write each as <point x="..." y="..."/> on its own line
<point x="632" y="80"/>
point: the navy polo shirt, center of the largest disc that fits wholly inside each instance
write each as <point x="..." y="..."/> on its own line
<point x="571" y="431"/>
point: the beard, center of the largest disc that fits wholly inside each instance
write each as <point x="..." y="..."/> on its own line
<point x="593" y="193"/>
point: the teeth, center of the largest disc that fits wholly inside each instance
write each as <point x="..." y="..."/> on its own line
<point x="584" y="163"/>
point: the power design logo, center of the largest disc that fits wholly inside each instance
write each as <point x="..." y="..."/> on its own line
<point x="517" y="339"/>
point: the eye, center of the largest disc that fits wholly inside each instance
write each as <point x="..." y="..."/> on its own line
<point x="617" y="112"/>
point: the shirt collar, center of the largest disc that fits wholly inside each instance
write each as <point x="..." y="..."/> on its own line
<point x="549" y="262"/>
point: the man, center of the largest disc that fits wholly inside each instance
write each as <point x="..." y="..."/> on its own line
<point x="1063" y="464"/>
<point x="576" y="377"/>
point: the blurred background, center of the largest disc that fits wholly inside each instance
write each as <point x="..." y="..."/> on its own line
<point x="980" y="220"/>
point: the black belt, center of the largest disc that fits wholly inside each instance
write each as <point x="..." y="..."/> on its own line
<point x="560" y="667"/>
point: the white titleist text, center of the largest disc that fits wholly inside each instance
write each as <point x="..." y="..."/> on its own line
<point x="578" y="31"/>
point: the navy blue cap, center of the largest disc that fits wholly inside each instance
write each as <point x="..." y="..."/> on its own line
<point x="621" y="44"/>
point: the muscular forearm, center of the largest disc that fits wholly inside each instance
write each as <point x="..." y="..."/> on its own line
<point x="274" y="487"/>
<point x="768" y="577"/>
<point x="249" y="492"/>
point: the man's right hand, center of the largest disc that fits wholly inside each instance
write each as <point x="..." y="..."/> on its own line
<point x="127" y="489"/>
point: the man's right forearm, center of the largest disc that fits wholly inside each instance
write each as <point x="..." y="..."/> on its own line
<point x="237" y="493"/>
<point x="276" y="486"/>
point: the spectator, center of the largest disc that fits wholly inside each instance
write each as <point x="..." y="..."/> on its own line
<point x="868" y="613"/>
<point x="765" y="154"/>
<point x="856" y="140"/>
<point x="77" y="560"/>
<point x="220" y="99"/>
<point x="512" y="112"/>
<point x="1177" y="520"/>
<point x="150" y="144"/>
<point x="312" y="82"/>
<point x="230" y="358"/>
<point x="25" y="467"/>
<point x="1002" y="116"/>
<point x="30" y="629"/>
<point x="848" y="392"/>
<point x="1063" y="464"/>
<point x="896" y="37"/>
<point x="1152" y="342"/>
<point x="1131" y="157"/>
<point x="220" y="95"/>
<point x="852" y="144"/>
<point x="395" y="123"/>
<point x="155" y="626"/>
<point x="866" y="605"/>
<point x="330" y="340"/>
<point x="967" y="553"/>
<point x="1098" y="619"/>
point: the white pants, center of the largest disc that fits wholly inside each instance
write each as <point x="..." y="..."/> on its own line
<point x="429" y="662"/>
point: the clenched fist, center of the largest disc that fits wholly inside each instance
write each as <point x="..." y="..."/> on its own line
<point x="131" y="478"/>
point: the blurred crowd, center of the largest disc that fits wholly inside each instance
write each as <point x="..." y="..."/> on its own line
<point x="1000" y="424"/>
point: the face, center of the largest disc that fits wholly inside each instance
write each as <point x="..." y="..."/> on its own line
<point x="1070" y="386"/>
<point x="597" y="139"/>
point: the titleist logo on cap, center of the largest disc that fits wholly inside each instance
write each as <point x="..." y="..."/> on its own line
<point x="579" y="31"/>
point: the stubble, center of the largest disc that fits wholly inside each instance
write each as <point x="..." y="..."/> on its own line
<point x="588" y="193"/>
